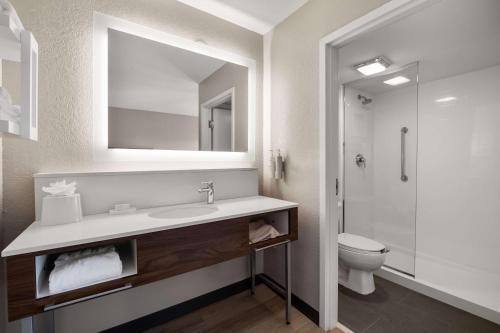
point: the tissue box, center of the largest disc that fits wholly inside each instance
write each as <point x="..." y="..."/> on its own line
<point x="61" y="209"/>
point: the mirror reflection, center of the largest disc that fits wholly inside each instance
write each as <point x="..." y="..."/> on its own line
<point x="164" y="97"/>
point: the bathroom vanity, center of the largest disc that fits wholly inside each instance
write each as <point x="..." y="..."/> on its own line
<point x="153" y="244"/>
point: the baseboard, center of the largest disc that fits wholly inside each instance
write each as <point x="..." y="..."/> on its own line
<point x="152" y="320"/>
<point x="297" y="302"/>
<point x="161" y="317"/>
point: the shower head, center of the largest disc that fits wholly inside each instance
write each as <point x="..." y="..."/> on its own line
<point x="364" y="100"/>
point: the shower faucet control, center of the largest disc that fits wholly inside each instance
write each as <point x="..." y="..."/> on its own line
<point x="360" y="161"/>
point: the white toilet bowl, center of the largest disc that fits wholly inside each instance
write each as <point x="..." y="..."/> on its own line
<point x="359" y="257"/>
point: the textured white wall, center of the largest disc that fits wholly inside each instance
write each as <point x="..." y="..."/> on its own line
<point x="63" y="30"/>
<point x="295" y="127"/>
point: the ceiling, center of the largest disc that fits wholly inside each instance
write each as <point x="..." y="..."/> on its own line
<point x="257" y="15"/>
<point x="144" y="55"/>
<point x="375" y="85"/>
<point x="448" y="38"/>
<point x="151" y="76"/>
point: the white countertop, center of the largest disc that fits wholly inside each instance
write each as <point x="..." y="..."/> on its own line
<point x="94" y="228"/>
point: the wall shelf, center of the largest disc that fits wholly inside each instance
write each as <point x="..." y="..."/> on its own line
<point x="19" y="45"/>
<point x="10" y="34"/>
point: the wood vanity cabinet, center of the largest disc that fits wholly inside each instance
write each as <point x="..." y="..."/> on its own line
<point x="160" y="255"/>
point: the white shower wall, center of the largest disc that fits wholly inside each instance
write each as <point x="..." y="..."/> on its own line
<point x="358" y="182"/>
<point x="458" y="216"/>
<point x="377" y="203"/>
<point x="394" y="202"/>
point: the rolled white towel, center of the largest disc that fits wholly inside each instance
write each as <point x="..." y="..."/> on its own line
<point x="78" y="269"/>
<point x="8" y="117"/>
<point x="12" y="113"/>
<point x="260" y="230"/>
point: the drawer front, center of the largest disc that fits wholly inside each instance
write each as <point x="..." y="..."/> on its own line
<point x="172" y="252"/>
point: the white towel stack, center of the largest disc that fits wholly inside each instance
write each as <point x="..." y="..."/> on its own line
<point x="7" y="110"/>
<point x="260" y="231"/>
<point x="78" y="269"/>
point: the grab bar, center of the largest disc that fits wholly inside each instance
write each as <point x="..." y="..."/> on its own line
<point x="107" y="292"/>
<point x="404" y="177"/>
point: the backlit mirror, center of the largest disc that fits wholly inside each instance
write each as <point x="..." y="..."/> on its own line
<point x="168" y="98"/>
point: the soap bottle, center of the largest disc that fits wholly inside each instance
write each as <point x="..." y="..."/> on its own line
<point x="273" y="162"/>
<point x="278" y="174"/>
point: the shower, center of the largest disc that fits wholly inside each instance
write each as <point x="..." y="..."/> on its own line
<point x="379" y="197"/>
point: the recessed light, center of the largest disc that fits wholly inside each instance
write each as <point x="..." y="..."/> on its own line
<point x="373" y="66"/>
<point x="395" y="81"/>
<point x="446" y="99"/>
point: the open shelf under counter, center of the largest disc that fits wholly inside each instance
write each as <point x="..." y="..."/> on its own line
<point x="285" y="222"/>
<point x="44" y="264"/>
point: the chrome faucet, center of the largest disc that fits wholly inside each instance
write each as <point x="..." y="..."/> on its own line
<point x="210" y="191"/>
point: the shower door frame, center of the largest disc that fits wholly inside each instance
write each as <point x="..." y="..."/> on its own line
<point x="330" y="103"/>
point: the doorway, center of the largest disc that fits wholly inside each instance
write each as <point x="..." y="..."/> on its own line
<point x="217" y="122"/>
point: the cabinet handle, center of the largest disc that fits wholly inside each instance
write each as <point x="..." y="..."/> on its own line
<point x="86" y="298"/>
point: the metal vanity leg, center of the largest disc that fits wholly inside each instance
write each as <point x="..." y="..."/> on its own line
<point x="41" y="323"/>
<point x="288" y="278"/>
<point x="27" y="325"/>
<point x="252" y="270"/>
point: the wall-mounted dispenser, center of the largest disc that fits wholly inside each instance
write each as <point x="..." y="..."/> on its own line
<point x="278" y="165"/>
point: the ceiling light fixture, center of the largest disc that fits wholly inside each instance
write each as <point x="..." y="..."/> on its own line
<point x="396" y="81"/>
<point x="446" y="99"/>
<point x="373" y="66"/>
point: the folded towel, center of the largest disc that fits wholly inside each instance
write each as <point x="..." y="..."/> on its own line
<point x="260" y="230"/>
<point x="7" y="110"/>
<point x="78" y="269"/>
<point x="9" y="117"/>
<point x="14" y="110"/>
<point x="5" y="98"/>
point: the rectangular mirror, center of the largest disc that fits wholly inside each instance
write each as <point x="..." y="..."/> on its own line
<point x="163" y="97"/>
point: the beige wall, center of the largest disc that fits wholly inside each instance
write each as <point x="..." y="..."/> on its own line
<point x="63" y="29"/>
<point x="294" y="125"/>
<point x="227" y="77"/>
<point x="2" y="276"/>
<point x="151" y="130"/>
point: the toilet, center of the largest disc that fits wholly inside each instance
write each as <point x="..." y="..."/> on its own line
<point x="359" y="257"/>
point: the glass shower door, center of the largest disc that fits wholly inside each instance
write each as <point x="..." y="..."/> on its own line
<point x="380" y="154"/>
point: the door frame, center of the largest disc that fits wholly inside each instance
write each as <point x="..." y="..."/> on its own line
<point x="330" y="104"/>
<point x="208" y="105"/>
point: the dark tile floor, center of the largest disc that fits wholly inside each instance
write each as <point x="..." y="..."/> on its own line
<point x="395" y="309"/>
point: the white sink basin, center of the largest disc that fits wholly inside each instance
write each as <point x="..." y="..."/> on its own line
<point x="183" y="212"/>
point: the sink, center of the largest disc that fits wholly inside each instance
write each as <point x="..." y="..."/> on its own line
<point x="183" y="212"/>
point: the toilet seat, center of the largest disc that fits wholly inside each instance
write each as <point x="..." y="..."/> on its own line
<point x="360" y="244"/>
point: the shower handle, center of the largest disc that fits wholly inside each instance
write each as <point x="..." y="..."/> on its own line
<point x="404" y="177"/>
